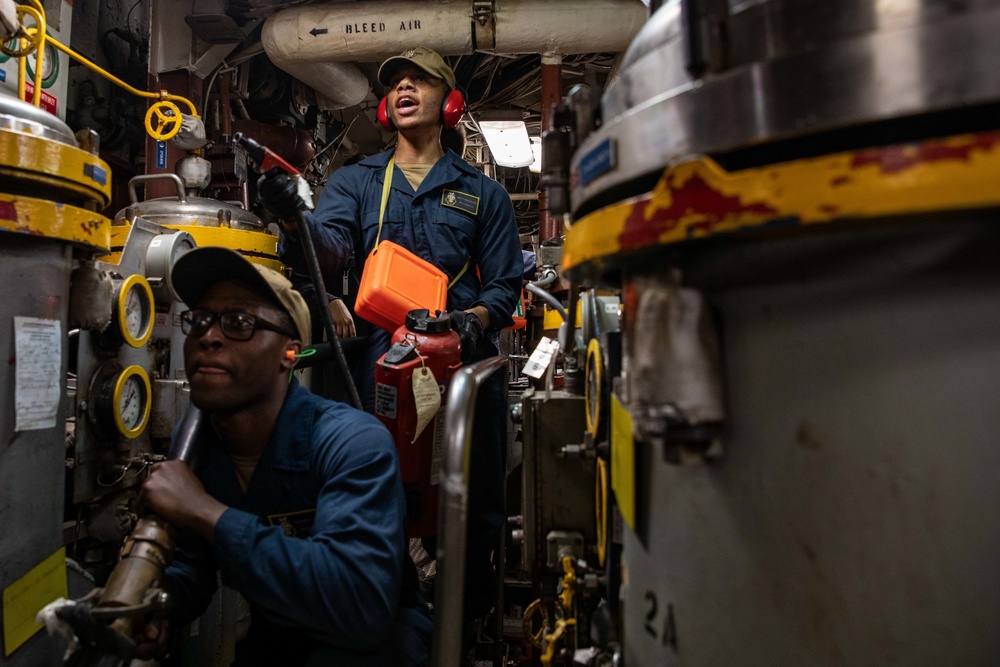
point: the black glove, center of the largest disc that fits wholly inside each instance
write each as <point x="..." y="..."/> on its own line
<point x="470" y="331"/>
<point x="279" y="194"/>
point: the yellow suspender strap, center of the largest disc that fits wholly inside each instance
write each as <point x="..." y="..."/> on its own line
<point x="385" y="198"/>
<point x="460" y="274"/>
<point x="381" y="214"/>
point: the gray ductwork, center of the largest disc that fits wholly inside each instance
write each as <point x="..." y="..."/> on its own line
<point x="314" y="43"/>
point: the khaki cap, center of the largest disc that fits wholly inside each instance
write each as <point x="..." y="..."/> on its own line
<point x="424" y="58"/>
<point x="198" y="269"/>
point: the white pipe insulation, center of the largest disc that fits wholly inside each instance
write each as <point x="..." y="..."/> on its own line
<point x="337" y="85"/>
<point x="566" y="26"/>
<point x="313" y="42"/>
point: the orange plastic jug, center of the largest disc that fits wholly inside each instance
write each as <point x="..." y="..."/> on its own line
<point x="394" y="282"/>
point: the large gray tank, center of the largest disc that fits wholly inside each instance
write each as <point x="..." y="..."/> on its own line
<point x="40" y="232"/>
<point x="853" y="516"/>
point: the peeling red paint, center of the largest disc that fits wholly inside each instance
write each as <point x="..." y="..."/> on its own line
<point x="8" y="211"/>
<point x="895" y="159"/>
<point x="829" y="209"/>
<point x="695" y="197"/>
<point x="841" y="180"/>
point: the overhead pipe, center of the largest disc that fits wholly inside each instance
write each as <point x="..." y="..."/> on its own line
<point x="338" y="85"/>
<point x="549" y="227"/>
<point x="372" y="30"/>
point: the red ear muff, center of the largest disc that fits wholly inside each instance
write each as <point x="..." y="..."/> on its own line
<point x="452" y="109"/>
<point x="383" y="115"/>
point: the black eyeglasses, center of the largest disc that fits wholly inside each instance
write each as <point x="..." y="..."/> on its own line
<point x="234" y="325"/>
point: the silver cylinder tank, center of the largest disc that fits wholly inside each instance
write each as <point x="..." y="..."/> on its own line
<point x="37" y="249"/>
<point x="32" y="462"/>
<point x="855" y="517"/>
<point x="784" y="70"/>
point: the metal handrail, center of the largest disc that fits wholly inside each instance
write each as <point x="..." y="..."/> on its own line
<point x="453" y="509"/>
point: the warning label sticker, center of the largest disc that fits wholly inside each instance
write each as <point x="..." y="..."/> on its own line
<point x="385" y="400"/>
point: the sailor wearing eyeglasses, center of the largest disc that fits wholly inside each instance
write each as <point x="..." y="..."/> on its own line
<point x="298" y="504"/>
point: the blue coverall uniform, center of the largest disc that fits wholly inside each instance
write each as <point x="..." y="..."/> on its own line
<point x="316" y="544"/>
<point x="457" y="215"/>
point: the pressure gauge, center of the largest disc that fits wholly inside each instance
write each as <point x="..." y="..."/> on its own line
<point x="134" y="310"/>
<point x="132" y="402"/>
<point x="594" y="387"/>
<point x="121" y="400"/>
<point x="161" y="254"/>
<point x="50" y="65"/>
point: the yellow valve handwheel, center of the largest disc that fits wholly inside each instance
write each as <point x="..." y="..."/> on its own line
<point x="535" y="638"/>
<point x="167" y="126"/>
<point x="32" y="37"/>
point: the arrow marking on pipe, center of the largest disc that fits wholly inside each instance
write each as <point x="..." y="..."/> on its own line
<point x="318" y="31"/>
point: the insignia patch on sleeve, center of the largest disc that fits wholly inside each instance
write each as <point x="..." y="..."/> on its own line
<point x="461" y="201"/>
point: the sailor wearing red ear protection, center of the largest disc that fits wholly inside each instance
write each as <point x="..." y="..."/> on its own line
<point x="450" y="214"/>
<point x="419" y="65"/>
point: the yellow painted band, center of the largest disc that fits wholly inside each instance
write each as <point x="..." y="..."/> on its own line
<point x="258" y="247"/>
<point x="27" y="156"/>
<point x="143" y="284"/>
<point x="120" y="381"/>
<point x="119" y="234"/>
<point x="236" y="239"/>
<point x="699" y="199"/>
<point x="42" y="217"/>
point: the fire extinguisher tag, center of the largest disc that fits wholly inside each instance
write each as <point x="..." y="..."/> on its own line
<point x="426" y="398"/>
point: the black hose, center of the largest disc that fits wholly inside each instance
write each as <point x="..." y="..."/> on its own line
<point x="312" y="262"/>
<point x="258" y="154"/>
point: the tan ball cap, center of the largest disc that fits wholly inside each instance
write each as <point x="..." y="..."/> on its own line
<point x="424" y="58"/>
<point x="197" y="270"/>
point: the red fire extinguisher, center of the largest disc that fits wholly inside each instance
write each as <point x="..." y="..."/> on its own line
<point x="423" y="350"/>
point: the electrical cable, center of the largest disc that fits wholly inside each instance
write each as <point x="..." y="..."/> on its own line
<point x="128" y="17"/>
<point x="340" y="138"/>
<point x="548" y="298"/>
<point x="208" y="88"/>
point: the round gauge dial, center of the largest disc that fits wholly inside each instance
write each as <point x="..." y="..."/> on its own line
<point x="594" y="370"/>
<point x="131" y="401"/>
<point x="50" y="65"/>
<point x="135" y="311"/>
